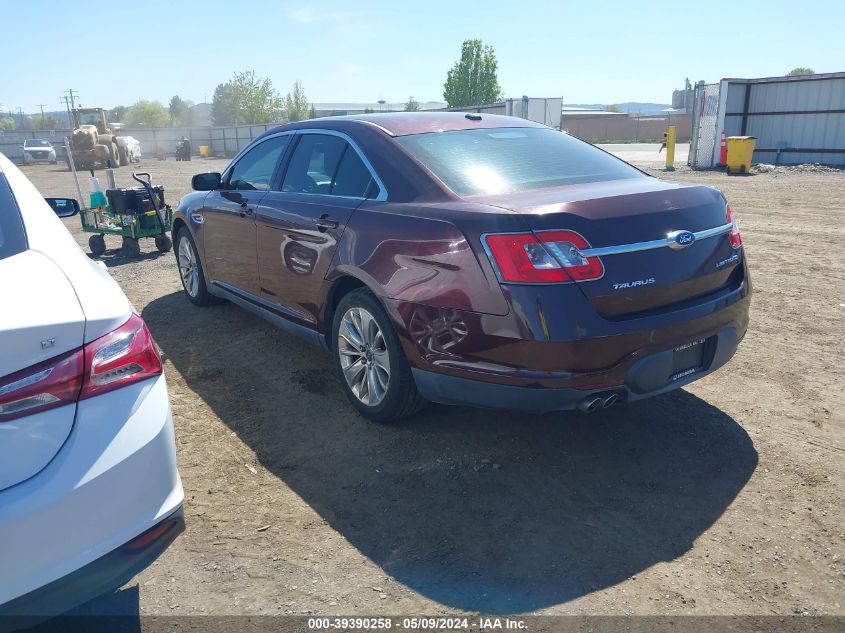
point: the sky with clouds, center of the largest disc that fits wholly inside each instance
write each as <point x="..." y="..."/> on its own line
<point x="587" y="52"/>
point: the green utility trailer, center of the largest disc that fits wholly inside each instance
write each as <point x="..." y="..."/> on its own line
<point x="133" y="214"/>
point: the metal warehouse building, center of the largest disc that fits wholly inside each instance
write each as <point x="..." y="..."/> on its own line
<point x="795" y="119"/>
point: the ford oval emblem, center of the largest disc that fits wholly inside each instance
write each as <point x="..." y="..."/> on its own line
<point x="681" y="239"/>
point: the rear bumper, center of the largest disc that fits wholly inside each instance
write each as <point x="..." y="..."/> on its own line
<point x="96" y="578"/>
<point x="648" y="377"/>
<point x="113" y="480"/>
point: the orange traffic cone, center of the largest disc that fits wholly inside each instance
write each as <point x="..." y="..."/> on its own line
<point x="723" y="151"/>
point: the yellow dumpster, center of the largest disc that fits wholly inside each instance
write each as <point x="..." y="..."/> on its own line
<point x="204" y="151"/>
<point x="740" y="151"/>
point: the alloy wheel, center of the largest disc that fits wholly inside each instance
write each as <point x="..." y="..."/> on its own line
<point x="364" y="358"/>
<point x="188" y="267"/>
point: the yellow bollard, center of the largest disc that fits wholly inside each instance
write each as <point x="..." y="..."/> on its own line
<point x="669" y="144"/>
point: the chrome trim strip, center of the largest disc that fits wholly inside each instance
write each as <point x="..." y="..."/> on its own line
<point x="652" y="244"/>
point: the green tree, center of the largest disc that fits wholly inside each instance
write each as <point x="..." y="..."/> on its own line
<point x="472" y="80"/>
<point x="148" y="113"/>
<point x="800" y="71"/>
<point x="221" y="104"/>
<point x="117" y="113"/>
<point x="296" y="106"/>
<point x="45" y="122"/>
<point x="245" y="99"/>
<point x="6" y="124"/>
<point x="178" y="109"/>
<point x="412" y="105"/>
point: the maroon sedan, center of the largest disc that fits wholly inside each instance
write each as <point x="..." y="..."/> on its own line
<point x="470" y="259"/>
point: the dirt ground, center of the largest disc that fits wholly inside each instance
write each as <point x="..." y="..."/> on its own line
<point x="723" y="498"/>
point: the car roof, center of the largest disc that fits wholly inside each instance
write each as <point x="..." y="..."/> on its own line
<point x="405" y="123"/>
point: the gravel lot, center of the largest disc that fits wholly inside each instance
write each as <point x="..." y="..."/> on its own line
<point x="722" y="498"/>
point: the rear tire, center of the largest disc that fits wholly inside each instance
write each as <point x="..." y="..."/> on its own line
<point x="370" y="362"/>
<point x="97" y="244"/>
<point x="122" y="155"/>
<point x="190" y="270"/>
<point x="114" y="156"/>
<point x="130" y="248"/>
<point x="163" y="244"/>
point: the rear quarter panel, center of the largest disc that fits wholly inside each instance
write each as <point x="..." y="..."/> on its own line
<point x="410" y="257"/>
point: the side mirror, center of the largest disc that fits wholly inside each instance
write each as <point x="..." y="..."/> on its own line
<point x="64" y="207"/>
<point x="208" y="181"/>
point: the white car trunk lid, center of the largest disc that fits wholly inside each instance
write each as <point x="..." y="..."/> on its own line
<point x="38" y="322"/>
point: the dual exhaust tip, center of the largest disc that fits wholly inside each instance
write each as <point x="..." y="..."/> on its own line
<point x="598" y="401"/>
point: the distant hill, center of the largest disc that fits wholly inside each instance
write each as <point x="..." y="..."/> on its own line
<point x="628" y="106"/>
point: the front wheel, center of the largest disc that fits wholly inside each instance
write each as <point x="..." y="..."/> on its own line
<point x="369" y="360"/>
<point x="97" y="244"/>
<point x="190" y="270"/>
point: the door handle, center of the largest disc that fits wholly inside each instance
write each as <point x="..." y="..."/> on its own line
<point x="324" y="223"/>
<point x="246" y="211"/>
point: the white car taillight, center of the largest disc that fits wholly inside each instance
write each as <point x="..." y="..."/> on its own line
<point x="121" y="357"/>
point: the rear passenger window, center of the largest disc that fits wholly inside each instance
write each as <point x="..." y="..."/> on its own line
<point x="327" y="165"/>
<point x="12" y="236"/>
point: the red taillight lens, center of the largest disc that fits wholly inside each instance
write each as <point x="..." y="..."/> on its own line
<point x="549" y="257"/>
<point x="48" y="385"/>
<point x="123" y="356"/>
<point x="735" y="237"/>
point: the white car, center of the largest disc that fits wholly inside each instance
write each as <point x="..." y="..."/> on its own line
<point x="37" y="150"/>
<point x="89" y="490"/>
<point x="133" y="149"/>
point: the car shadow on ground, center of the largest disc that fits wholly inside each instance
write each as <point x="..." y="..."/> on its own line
<point x="481" y="510"/>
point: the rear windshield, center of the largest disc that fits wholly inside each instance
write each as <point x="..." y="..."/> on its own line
<point x="12" y="236"/>
<point x="36" y="143"/>
<point x="503" y="160"/>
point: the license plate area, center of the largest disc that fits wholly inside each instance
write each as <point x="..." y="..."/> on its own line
<point x="687" y="359"/>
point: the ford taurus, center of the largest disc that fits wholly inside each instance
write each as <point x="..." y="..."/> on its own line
<point x="470" y="259"/>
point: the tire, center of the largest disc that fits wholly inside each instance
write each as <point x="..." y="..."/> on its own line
<point x="114" y="156"/>
<point x="122" y="155"/>
<point x="369" y="361"/>
<point x="54" y="162"/>
<point x="163" y="244"/>
<point x="130" y="247"/>
<point x="97" y="244"/>
<point x="191" y="272"/>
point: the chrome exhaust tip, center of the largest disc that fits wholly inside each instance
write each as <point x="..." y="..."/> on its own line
<point x="590" y="404"/>
<point x="610" y="400"/>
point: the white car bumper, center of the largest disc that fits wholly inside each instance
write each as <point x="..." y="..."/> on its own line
<point x="113" y="480"/>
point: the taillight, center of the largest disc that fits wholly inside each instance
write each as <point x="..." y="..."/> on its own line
<point x="123" y="356"/>
<point x="735" y="237"/>
<point x="53" y="383"/>
<point x="548" y="257"/>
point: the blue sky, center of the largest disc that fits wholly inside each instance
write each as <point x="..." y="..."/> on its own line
<point x="601" y="51"/>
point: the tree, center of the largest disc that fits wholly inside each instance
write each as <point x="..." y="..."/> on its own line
<point x="472" y="80"/>
<point x="245" y="99"/>
<point x="297" y="107"/>
<point x="314" y="112"/>
<point x="117" y="113"/>
<point x="178" y="109"/>
<point x="45" y="122"/>
<point x="7" y="124"/>
<point x="221" y="105"/>
<point x="413" y="105"/>
<point x="148" y="113"/>
<point x="800" y="71"/>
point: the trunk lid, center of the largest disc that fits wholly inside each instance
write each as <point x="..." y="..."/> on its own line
<point x="632" y="211"/>
<point x="40" y="321"/>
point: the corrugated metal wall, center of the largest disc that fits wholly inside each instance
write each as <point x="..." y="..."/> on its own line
<point x="795" y="119"/>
